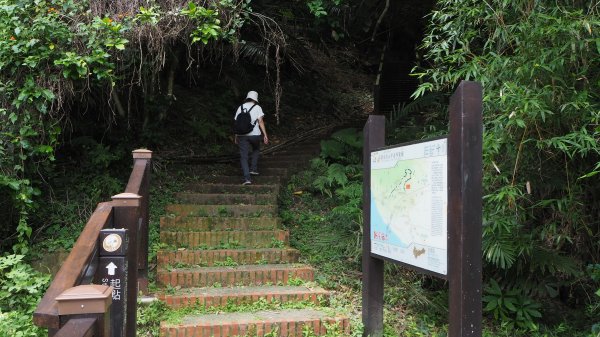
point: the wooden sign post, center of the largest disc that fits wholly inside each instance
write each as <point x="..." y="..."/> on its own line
<point x="465" y="171"/>
<point x="422" y="205"/>
<point x="372" y="268"/>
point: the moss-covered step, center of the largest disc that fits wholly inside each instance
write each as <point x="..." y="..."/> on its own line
<point x="246" y="275"/>
<point x="237" y="188"/>
<point x="209" y="258"/>
<point x="226" y="199"/>
<point x="221" y="210"/>
<point x="282" y="323"/>
<point x="226" y="239"/>
<point x="204" y="224"/>
<point x="224" y="296"/>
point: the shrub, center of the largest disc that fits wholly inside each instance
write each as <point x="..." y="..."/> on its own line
<point x="21" y="288"/>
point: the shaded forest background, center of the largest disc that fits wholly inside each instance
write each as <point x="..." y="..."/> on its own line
<point x="85" y="82"/>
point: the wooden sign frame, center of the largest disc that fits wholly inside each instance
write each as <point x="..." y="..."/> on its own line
<point x="465" y="173"/>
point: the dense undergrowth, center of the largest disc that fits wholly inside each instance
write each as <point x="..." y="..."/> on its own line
<point x="539" y="65"/>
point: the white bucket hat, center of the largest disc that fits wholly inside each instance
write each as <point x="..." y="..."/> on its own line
<point x="253" y="95"/>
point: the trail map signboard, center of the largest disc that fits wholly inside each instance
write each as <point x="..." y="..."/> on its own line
<point x="409" y="201"/>
<point x="422" y="206"/>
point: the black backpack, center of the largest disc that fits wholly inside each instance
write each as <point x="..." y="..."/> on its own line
<point x="243" y="122"/>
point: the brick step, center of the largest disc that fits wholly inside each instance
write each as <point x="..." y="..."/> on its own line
<point x="255" y="188"/>
<point x="239" y="256"/>
<point x="226" y="239"/>
<point x="226" y="199"/>
<point x="222" y="210"/>
<point x="285" y="323"/>
<point x="246" y="275"/>
<point x="221" y="297"/>
<point x="204" y="224"/>
<point x="232" y="179"/>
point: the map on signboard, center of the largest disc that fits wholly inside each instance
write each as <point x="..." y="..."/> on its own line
<point x="409" y="202"/>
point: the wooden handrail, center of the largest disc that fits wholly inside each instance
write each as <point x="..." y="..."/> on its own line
<point x="139" y="183"/>
<point x="78" y="327"/>
<point x="134" y="185"/>
<point x="71" y="272"/>
<point x="81" y="257"/>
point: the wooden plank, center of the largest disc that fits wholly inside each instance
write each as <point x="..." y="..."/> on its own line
<point x="71" y="272"/>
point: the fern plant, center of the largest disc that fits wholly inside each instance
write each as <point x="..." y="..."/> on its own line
<point x="511" y="305"/>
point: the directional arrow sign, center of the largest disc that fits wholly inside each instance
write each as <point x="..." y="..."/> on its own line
<point x="111" y="268"/>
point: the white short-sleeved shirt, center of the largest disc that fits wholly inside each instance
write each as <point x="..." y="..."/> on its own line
<point x="255" y="114"/>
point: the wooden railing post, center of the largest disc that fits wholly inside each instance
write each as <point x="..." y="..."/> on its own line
<point x="127" y="215"/>
<point x="143" y="156"/>
<point x="86" y="310"/>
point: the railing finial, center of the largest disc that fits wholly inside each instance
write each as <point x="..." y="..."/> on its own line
<point x="142" y="154"/>
<point x="126" y="199"/>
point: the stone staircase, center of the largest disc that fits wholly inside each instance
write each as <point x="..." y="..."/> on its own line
<point x="227" y="248"/>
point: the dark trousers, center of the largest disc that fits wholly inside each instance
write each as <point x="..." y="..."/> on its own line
<point x="249" y="145"/>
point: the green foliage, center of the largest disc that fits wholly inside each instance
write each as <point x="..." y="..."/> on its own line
<point x="229" y="262"/>
<point x="332" y="231"/>
<point x="275" y="243"/>
<point x="511" y="305"/>
<point x="345" y="146"/>
<point x="150" y="15"/>
<point x="331" y="14"/>
<point x="339" y="175"/>
<point x="207" y="22"/>
<point x="539" y="65"/>
<point x="593" y="309"/>
<point x="149" y="316"/>
<point x="21" y="288"/>
<point x="55" y="49"/>
<point x="38" y="48"/>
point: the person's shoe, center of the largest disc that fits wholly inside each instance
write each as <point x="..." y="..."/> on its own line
<point x="254" y="173"/>
<point x="247" y="182"/>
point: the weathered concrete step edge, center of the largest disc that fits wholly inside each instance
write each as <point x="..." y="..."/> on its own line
<point x="192" y="223"/>
<point x="226" y="199"/>
<point x="246" y="275"/>
<point x="240" y="256"/>
<point x="231" y="188"/>
<point x="221" y="210"/>
<point x="233" y="239"/>
<point x="220" y="297"/>
<point x="287" y="323"/>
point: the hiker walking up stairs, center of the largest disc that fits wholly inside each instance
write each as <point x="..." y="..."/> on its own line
<point x="229" y="252"/>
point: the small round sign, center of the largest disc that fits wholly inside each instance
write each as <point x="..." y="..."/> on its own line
<point x="112" y="242"/>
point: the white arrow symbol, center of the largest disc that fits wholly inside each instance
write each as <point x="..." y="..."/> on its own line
<point x="111" y="268"/>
